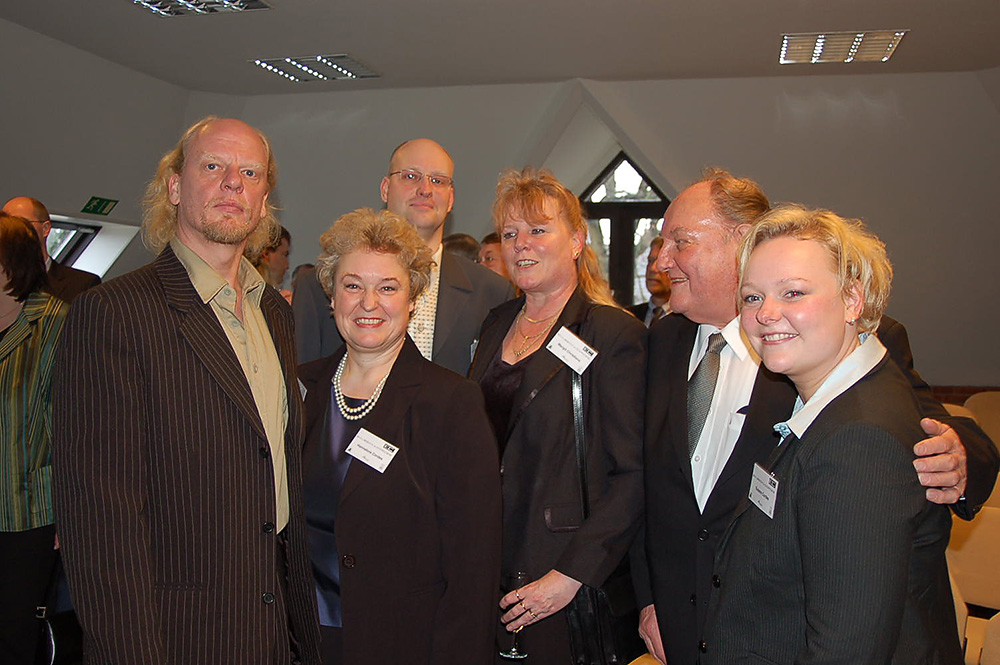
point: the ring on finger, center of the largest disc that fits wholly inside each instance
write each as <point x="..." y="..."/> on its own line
<point x="521" y="605"/>
<point x="533" y="615"/>
<point x="517" y="593"/>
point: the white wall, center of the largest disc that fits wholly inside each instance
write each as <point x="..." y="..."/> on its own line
<point x="333" y="148"/>
<point x="76" y="126"/>
<point x="917" y="156"/>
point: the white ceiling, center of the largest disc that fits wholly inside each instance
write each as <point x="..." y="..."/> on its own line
<point x="419" y="43"/>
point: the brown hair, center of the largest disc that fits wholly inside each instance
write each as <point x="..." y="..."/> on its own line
<point x="159" y="218"/>
<point x="383" y="231"/>
<point x="523" y="194"/>
<point x="738" y="200"/>
<point x="21" y="257"/>
<point x="859" y="257"/>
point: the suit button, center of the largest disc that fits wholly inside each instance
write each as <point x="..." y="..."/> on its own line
<point x="703" y="534"/>
<point x="703" y="647"/>
<point x="268" y="598"/>
<point x="268" y="527"/>
<point x="348" y="560"/>
<point x="716" y="581"/>
<point x="264" y="452"/>
<point x="694" y="599"/>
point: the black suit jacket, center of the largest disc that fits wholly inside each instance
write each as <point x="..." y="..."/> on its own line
<point x="420" y="543"/>
<point x="674" y="555"/>
<point x="164" y="483"/>
<point x="851" y="569"/>
<point x="639" y="311"/>
<point x="543" y="515"/>
<point x="466" y="294"/>
<point x="67" y="283"/>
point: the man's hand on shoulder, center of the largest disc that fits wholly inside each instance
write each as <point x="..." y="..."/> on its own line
<point x="941" y="464"/>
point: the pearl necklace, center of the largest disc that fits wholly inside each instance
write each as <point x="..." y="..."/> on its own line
<point x="354" y="412"/>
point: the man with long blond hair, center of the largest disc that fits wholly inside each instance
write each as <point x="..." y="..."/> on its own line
<point x="178" y="431"/>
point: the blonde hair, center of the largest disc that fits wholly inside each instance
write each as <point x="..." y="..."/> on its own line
<point x="523" y="194"/>
<point x="382" y="231"/>
<point x="858" y="255"/>
<point x="159" y="218"/>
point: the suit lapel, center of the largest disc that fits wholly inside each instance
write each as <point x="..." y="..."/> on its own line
<point x="495" y="328"/>
<point x="770" y="403"/>
<point x="282" y="336"/>
<point x="687" y="334"/>
<point x="203" y="332"/>
<point x="453" y="290"/>
<point x="542" y="365"/>
<point x="388" y="419"/>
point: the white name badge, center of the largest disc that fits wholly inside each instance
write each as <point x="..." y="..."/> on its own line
<point x="372" y="450"/>
<point x="572" y="350"/>
<point x="763" y="490"/>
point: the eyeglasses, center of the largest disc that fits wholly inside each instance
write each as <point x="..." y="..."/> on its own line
<point x="414" y="178"/>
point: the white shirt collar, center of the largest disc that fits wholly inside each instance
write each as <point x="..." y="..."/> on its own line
<point x="851" y="369"/>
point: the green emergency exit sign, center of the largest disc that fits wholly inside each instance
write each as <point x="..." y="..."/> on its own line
<point x="99" y="206"/>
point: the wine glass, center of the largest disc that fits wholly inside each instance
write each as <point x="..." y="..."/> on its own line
<point x="515" y="581"/>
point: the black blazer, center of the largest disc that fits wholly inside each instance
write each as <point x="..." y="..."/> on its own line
<point x="674" y="555"/>
<point x="466" y="294"/>
<point x="420" y="543"/>
<point x="543" y="525"/>
<point x="66" y="283"/>
<point x="163" y="481"/>
<point x="852" y="567"/>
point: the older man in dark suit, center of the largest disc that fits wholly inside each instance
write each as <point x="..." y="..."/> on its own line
<point x="65" y="282"/>
<point x="420" y="188"/>
<point x="711" y="410"/>
<point x="178" y="431"/>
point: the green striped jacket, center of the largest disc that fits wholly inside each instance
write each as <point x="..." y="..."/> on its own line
<point x="27" y="354"/>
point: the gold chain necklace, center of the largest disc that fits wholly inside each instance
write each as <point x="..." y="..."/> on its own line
<point x="524" y="313"/>
<point x="529" y="341"/>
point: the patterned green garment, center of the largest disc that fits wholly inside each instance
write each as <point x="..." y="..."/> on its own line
<point x="27" y="354"/>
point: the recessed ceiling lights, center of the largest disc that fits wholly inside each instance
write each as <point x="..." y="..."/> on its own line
<point x="187" y="7"/>
<point x="316" y="68"/>
<point x="858" y="46"/>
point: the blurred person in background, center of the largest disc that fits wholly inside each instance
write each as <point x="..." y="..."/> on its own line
<point x="31" y="324"/>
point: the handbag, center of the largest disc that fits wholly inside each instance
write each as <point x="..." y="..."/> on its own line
<point x="61" y="642"/>
<point x="603" y="622"/>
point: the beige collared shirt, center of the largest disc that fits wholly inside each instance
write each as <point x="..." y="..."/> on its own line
<point x="421" y="326"/>
<point x="253" y="346"/>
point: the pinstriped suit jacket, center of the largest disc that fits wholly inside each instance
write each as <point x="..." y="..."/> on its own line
<point x="164" y="489"/>
<point x="852" y="568"/>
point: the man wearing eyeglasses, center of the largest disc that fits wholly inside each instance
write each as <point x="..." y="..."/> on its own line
<point x="65" y="282"/>
<point x="419" y="186"/>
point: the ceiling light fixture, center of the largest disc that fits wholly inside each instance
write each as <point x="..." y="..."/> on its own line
<point x="189" y="7"/>
<point x="274" y="70"/>
<point x="317" y="68"/>
<point x="857" y="46"/>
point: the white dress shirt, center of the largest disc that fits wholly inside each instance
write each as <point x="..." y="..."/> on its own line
<point x="737" y="373"/>
<point x="851" y="369"/>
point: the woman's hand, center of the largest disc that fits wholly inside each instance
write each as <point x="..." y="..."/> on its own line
<point x="533" y="602"/>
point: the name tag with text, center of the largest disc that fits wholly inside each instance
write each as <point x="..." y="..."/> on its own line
<point x="572" y="350"/>
<point x="763" y="490"/>
<point x="372" y="450"/>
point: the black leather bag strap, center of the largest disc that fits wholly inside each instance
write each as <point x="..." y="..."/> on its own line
<point x="581" y="443"/>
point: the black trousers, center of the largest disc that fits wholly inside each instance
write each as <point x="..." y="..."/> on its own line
<point x="27" y="560"/>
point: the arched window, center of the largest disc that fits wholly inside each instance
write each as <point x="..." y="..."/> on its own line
<point x="624" y="209"/>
